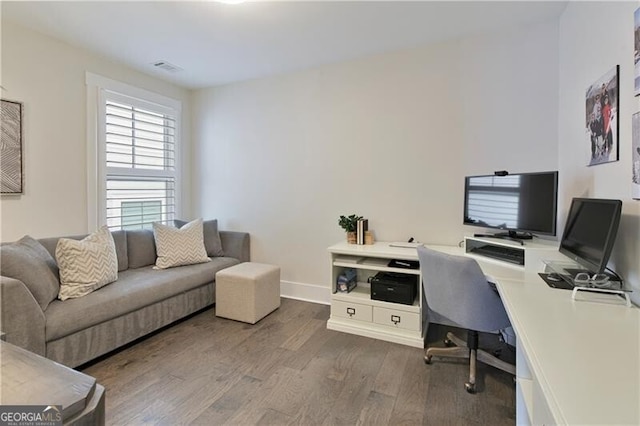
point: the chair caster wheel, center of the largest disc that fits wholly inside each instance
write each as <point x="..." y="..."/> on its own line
<point x="448" y="343"/>
<point x="427" y="359"/>
<point x="470" y="387"/>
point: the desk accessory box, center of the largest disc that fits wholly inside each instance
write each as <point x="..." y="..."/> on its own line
<point x="347" y="280"/>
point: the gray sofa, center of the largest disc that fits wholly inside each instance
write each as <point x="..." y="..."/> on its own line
<point x="142" y="300"/>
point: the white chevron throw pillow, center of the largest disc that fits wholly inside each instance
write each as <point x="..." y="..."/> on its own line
<point x="86" y="265"/>
<point x="177" y="247"/>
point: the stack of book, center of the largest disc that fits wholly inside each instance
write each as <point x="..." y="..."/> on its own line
<point x="347" y="280"/>
<point x="362" y="226"/>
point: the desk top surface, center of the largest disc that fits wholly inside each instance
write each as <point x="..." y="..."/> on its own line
<point x="378" y="249"/>
<point x="585" y="354"/>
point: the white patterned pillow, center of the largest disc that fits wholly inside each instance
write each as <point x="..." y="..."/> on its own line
<point x="176" y="247"/>
<point x="86" y="265"/>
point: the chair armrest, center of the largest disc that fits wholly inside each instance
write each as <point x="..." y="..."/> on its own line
<point x="236" y="244"/>
<point x="21" y="318"/>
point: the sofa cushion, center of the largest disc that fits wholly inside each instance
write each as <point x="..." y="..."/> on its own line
<point x="177" y="247"/>
<point x="212" y="240"/>
<point x="141" y="248"/>
<point x="86" y="265"/>
<point x="28" y="261"/>
<point x="135" y="289"/>
<point x="119" y="238"/>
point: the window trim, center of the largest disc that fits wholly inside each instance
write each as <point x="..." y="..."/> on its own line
<point x="97" y="89"/>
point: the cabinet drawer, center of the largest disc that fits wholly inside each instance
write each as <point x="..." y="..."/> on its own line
<point x="351" y="310"/>
<point x="397" y="319"/>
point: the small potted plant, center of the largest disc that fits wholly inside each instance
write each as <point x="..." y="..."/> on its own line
<point x="349" y="224"/>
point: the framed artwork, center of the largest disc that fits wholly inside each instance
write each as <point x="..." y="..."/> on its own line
<point x="635" y="156"/>
<point x="11" y="147"/>
<point x="636" y="52"/>
<point x="601" y="102"/>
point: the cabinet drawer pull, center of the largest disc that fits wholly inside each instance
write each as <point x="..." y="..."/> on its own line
<point x="351" y="311"/>
<point x="395" y="319"/>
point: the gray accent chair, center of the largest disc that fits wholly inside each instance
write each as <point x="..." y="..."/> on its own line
<point x="457" y="294"/>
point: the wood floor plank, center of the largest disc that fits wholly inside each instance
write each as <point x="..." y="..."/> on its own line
<point x="344" y="349"/>
<point x="136" y="408"/>
<point x="351" y="399"/>
<point x="198" y="393"/>
<point x="289" y="369"/>
<point x="145" y="416"/>
<point x="303" y="334"/>
<point x="273" y="417"/>
<point x="377" y="409"/>
<point x="299" y="391"/>
<point x="230" y="402"/>
<point x="415" y="387"/>
<point x="388" y="380"/>
<point x="359" y="376"/>
<point x="253" y="412"/>
<point x="324" y="392"/>
<point x="310" y="349"/>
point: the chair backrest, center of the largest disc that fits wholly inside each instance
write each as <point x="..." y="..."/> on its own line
<point x="457" y="292"/>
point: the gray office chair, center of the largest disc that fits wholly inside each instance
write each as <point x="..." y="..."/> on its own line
<point x="458" y="295"/>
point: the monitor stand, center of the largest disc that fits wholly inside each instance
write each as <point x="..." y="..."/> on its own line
<point x="511" y="236"/>
<point x="566" y="272"/>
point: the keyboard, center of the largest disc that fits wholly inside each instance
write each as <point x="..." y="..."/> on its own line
<point x="501" y="253"/>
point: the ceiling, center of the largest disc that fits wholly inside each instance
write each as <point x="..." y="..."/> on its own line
<point x="216" y="43"/>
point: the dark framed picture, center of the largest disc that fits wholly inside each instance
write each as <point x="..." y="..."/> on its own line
<point x="636" y="52"/>
<point x="601" y="102"/>
<point x="635" y="156"/>
<point x="11" y="147"/>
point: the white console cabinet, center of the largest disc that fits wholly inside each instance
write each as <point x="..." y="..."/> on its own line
<point x="357" y="313"/>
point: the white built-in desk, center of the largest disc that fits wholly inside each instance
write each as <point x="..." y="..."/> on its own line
<point x="578" y="361"/>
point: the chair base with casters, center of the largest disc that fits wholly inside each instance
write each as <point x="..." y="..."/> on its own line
<point x="471" y="351"/>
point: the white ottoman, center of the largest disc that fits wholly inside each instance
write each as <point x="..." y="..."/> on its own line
<point x="247" y="292"/>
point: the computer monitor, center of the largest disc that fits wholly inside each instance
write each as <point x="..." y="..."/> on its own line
<point x="521" y="204"/>
<point x="590" y="232"/>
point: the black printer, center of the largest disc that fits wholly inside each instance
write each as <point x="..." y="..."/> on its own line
<point x="394" y="287"/>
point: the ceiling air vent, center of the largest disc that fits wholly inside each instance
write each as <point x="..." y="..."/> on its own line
<point x="166" y="66"/>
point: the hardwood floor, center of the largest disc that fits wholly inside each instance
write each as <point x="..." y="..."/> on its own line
<point x="289" y="369"/>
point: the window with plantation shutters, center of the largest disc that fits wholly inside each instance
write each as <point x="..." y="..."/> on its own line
<point x="139" y="159"/>
<point x="133" y="155"/>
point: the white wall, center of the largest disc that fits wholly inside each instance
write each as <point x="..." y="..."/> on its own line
<point x="48" y="76"/>
<point x="594" y="37"/>
<point x="388" y="137"/>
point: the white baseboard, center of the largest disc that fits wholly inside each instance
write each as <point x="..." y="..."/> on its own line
<point x="305" y="292"/>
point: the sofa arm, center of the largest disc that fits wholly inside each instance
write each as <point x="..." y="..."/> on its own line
<point x="236" y="244"/>
<point x="21" y="318"/>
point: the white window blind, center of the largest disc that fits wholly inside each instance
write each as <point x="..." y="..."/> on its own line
<point x="495" y="201"/>
<point x="140" y="146"/>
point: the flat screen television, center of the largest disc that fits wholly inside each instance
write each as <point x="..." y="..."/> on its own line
<point x="521" y="204"/>
<point x="590" y="232"/>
